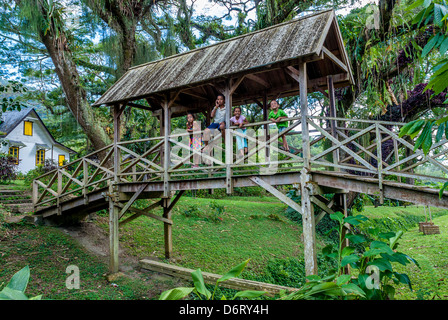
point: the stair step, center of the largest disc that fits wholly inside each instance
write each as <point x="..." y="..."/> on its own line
<point x="15" y="201"/>
<point x="20" y="208"/>
<point x="15" y="194"/>
<point x="12" y="192"/>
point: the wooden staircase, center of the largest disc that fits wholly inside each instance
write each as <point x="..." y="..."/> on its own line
<point x="16" y="201"/>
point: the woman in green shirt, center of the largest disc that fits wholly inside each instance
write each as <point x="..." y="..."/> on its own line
<point x="277" y="115"/>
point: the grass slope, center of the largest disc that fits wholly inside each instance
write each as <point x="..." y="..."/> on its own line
<point x="250" y="228"/>
<point x="211" y="234"/>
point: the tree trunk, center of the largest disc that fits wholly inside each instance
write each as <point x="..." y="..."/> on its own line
<point x="75" y="95"/>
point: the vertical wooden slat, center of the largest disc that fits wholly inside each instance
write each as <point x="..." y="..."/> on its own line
<point x="85" y="180"/>
<point x="35" y="195"/>
<point x="59" y="188"/>
<point x="379" y="162"/>
<point x="304" y="115"/>
<point x="166" y="148"/>
<point x="397" y="158"/>
<point x="266" y="126"/>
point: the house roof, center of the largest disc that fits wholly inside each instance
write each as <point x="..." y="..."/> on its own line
<point x="11" y="119"/>
<point x="263" y="49"/>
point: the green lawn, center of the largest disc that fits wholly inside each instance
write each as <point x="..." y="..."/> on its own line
<point x="431" y="252"/>
<point x="395" y="212"/>
<point x="250" y="228"/>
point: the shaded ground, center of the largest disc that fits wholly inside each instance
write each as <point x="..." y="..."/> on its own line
<point x="48" y="251"/>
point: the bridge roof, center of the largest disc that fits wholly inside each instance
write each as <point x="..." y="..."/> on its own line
<point x="259" y="52"/>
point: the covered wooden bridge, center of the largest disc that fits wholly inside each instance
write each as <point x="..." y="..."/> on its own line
<point x="293" y="58"/>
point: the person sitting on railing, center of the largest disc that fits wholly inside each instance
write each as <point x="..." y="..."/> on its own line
<point x="239" y="120"/>
<point x="219" y="116"/>
<point x="194" y="128"/>
<point x="277" y="115"/>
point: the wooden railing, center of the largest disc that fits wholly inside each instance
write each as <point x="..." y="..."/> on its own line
<point x="353" y="147"/>
<point x="75" y="179"/>
<point x="374" y="148"/>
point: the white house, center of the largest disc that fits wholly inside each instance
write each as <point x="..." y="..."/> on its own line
<point x="26" y="138"/>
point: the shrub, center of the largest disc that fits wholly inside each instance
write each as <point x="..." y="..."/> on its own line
<point x="8" y="168"/>
<point x="41" y="169"/>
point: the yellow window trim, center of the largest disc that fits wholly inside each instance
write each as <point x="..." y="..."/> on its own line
<point x="61" y="159"/>
<point x="27" y="128"/>
<point x="14" y="151"/>
<point x="40" y="157"/>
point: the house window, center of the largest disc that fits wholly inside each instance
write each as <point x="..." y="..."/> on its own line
<point x="61" y="159"/>
<point x="28" y="128"/>
<point x="14" y="152"/>
<point x="40" y="156"/>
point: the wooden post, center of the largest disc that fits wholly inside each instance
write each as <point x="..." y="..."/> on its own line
<point x="304" y="115"/>
<point x="85" y="180"/>
<point x="308" y="219"/>
<point x="333" y="123"/>
<point x="379" y="155"/>
<point x="309" y="225"/>
<point x="35" y="195"/>
<point x="168" y="205"/>
<point x="266" y="126"/>
<point x="341" y="199"/>
<point x="166" y="148"/>
<point x="228" y="137"/>
<point x="167" y="229"/>
<point x="162" y="132"/>
<point x="58" y="200"/>
<point x="396" y="155"/>
<point x="114" y="210"/>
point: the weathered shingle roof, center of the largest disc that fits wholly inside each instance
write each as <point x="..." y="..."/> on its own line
<point x="290" y="40"/>
<point x="10" y="119"/>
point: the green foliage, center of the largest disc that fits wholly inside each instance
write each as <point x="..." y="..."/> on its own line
<point x="434" y="12"/>
<point x="214" y="213"/>
<point x="40" y="169"/>
<point x="15" y="289"/>
<point x="325" y="227"/>
<point x="290" y="272"/>
<point x="374" y="266"/>
<point x="8" y="168"/>
<point x="10" y="95"/>
<point x="204" y="294"/>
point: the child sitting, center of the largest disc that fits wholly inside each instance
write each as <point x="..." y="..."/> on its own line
<point x="195" y="137"/>
<point x="239" y="120"/>
<point x="277" y="115"/>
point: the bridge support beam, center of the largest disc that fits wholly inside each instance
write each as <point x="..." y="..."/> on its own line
<point x="309" y="225"/>
<point x="114" y="211"/>
<point x="308" y="219"/>
<point x="168" y="205"/>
